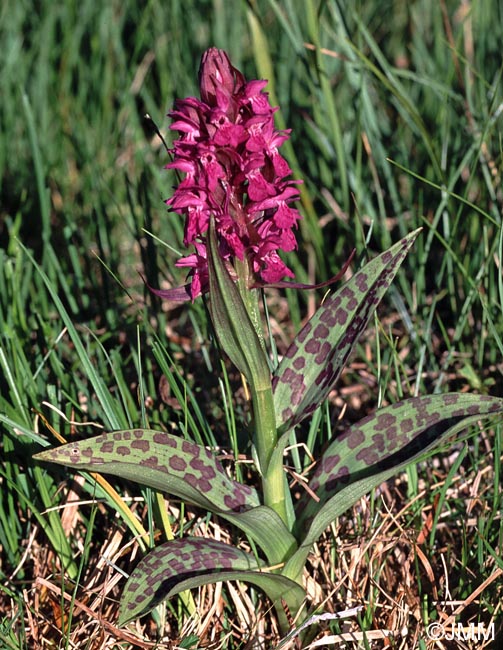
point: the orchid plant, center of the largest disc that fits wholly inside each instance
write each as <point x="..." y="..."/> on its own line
<point x="236" y="197"/>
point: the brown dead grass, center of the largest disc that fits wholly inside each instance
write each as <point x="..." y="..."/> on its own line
<point x="378" y="556"/>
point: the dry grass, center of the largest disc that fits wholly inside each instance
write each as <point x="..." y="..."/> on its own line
<point x="394" y="556"/>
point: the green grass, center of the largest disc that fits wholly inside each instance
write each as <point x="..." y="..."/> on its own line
<point x="396" y="118"/>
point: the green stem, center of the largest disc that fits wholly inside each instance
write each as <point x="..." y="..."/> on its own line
<point x="264" y="415"/>
<point x="273" y="480"/>
<point x="237" y="321"/>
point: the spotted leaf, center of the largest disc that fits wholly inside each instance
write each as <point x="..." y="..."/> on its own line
<point x="316" y="357"/>
<point x="374" y="450"/>
<point x="161" y="461"/>
<point x="189" y="562"/>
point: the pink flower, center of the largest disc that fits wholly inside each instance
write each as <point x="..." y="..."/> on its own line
<point x="227" y="152"/>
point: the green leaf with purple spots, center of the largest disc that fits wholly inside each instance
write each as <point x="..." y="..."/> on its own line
<point x="389" y="437"/>
<point x="374" y="450"/>
<point x="161" y="461"/>
<point x="189" y="562"/>
<point x="315" y="359"/>
<point x="185" y="470"/>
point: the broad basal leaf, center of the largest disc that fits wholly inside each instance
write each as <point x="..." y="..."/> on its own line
<point x="374" y="450"/>
<point x="161" y="461"/>
<point x="387" y="437"/>
<point x="187" y="563"/>
<point x="183" y="469"/>
<point x="315" y="359"/>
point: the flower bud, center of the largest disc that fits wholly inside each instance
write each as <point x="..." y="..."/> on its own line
<point x="217" y="75"/>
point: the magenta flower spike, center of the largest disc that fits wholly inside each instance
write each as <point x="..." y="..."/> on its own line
<point x="228" y="154"/>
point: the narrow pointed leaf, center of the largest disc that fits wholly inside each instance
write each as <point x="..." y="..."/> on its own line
<point x="315" y="359"/>
<point x="161" y="461"/>
<point x="377" y="448"/>
<point x="233" y="326"/>
<point x="388" y="437"/>
<point x="190" y="562"/>
<point x="185" y="470"/>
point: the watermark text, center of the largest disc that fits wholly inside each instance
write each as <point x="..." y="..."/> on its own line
<point x="460" y="632"/>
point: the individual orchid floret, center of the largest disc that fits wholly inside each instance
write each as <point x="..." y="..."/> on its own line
<point x="228" y="156"/>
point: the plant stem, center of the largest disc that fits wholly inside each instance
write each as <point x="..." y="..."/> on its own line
<point x="273" y="480"/>
<point x="264" y="415"/>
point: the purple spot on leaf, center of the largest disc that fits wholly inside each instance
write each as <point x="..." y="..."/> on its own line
<point x="324" y="352"/>
<point x="347" y="292"/>
<point x="385" y="421"/>
<point x="312" y="346"/>
<point x="292" y="351"/>
<point x="368" y="455"/>
<point x="177" y="464"/>
<point x="299" y="363"/>
<point x="331" y="462"/>
<point x="341" y="316"/>
<point x="143" y="445"/>
<point x="355" y="439"/>
<point x="378" y="440"/>
<point x="321" y="332"/>
<point x="407" y="425"/>
<point x="304" y="332"/>
<point x="203" y="485"/>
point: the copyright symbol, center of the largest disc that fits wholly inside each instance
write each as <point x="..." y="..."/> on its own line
<point x="435" y="631"/>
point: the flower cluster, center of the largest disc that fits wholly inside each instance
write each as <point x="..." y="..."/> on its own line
<point x="228" y="152"/>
